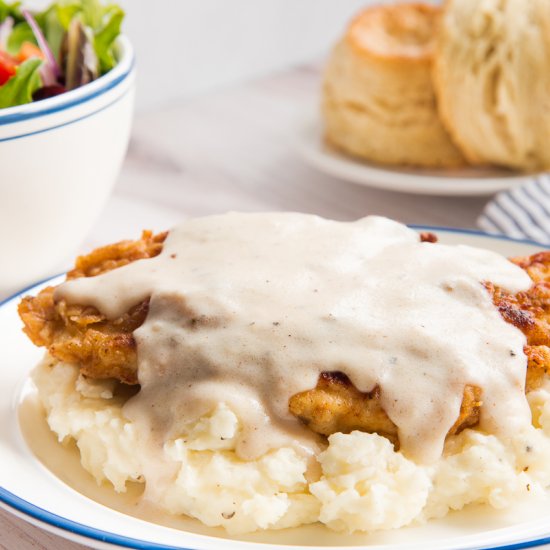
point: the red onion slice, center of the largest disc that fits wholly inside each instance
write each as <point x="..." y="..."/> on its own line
<point x="5" y="30"/>
<point x="51" y="68"/>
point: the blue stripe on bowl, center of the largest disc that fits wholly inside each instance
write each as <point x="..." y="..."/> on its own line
<point x="69" y="122"/>
<point x="75" y="97"/>
<point x="32" y="511"/>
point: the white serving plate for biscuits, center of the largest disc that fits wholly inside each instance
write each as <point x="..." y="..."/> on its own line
<point x="468" y="181"/>
<point x="43" y="483"/>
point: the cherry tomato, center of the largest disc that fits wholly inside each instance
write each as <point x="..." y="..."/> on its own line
<point x="8" y="66"/>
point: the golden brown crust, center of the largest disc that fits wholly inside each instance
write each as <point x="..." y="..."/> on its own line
<point x="395" y="33"/>
<point x="538" y="366"/>
<point x="530" y="312"/>
<point x="82" y="335"/>
<point x="336" y="405"/>
<point x="537" y="266"/>
<point x="427" y="237"/>
<point x="119" y="254"/>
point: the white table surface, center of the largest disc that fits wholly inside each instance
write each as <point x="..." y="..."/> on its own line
<point x="233" y="150"/>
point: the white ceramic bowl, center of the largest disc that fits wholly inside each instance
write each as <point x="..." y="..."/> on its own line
<point x="59" y="159"/>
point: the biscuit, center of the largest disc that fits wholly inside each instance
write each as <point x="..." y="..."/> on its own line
<point x="378" y="97"/>
<point x="492" y="78"/>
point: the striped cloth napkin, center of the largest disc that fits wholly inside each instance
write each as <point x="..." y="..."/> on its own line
<point x="521" y="213"/>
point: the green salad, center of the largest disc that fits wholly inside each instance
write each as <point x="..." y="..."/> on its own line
<point x="46" y="53"/>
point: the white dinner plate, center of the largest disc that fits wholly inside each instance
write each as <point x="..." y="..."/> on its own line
<point x="451" y="182"/>
<point x="43" y="483"/>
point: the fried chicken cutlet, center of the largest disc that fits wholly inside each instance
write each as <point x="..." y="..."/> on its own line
<point x="82" y="335"/>
<point x="105" y="348"/>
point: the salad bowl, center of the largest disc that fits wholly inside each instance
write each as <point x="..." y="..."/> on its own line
<point x="60" y="157"/>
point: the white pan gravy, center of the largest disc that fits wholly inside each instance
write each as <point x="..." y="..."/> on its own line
<point x="249" y="309"/>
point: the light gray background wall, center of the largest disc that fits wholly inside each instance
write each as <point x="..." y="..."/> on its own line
<point x="185" y="47"/>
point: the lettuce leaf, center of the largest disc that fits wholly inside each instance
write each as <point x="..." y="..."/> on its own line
<point x="10" y="10"/>
<point x="22" y="85"/>
<point x="52" y="28"/>
<point x="92" y="13"/>
<point x="103" y="21"/>
<point x="66" y="11"/>
<point x="105" y="37"/>
<point x="20" y="33"/>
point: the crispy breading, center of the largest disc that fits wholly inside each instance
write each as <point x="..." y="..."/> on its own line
<point x="538" y="366"/>
<point x="336" y="405"/>
<point x="537" y="265"/>
<point x="106" y="348"/>
<point x="530" y="312"/>
<point x="82" y="335"/>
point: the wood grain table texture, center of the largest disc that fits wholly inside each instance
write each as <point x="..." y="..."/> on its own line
<point x="234" y="150"/>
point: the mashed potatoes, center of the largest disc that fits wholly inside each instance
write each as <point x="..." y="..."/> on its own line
<point x="361" y="483"/>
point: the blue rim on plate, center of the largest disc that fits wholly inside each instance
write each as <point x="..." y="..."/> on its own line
<point x="26" y="508"/>
<point x="73" y="98"/>
<point x="37" y="513"/>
